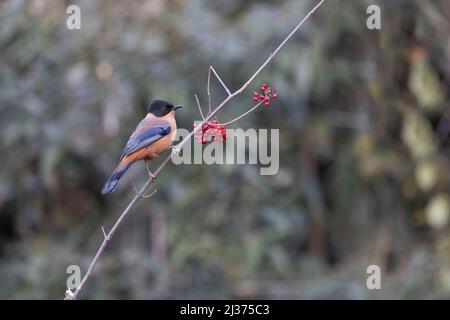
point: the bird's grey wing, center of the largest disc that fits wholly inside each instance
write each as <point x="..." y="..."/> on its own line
<point x="144" y="135"/>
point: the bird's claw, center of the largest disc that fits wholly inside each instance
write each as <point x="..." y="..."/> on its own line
<point x="150" y="174"/>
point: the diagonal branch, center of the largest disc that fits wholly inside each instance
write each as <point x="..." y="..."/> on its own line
<point x="211" y="68"/>
<point x="208" y="87"/>
<point x="108" y="236"/>
<point x="208" y="91"/>
<point x="176" y="149"/>
<point x="199" y="106"/>
<point x="241" y="116"/>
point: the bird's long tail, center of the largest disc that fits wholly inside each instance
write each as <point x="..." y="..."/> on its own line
<point x="113" y="180"/>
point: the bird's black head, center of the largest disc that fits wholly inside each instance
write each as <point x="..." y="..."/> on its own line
<point x="160" y="108"/>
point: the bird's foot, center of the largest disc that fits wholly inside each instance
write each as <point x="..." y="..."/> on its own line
<point x="150" y="174"/>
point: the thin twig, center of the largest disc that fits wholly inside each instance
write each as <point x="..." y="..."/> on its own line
<point x="113" y="230"/>
<point x="176" y="149"/>
<point x="143" y="196"/>
<point x="199" y="106"/>
<point x="240" y="117"/>
<point x="208" y="91"/>
<point x="298" y="26"/>
<point x="211" y="68"/>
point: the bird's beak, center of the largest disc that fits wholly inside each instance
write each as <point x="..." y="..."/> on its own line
<point x="177" y="107"/>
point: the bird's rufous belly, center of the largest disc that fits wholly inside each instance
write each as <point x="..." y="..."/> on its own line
<point x="153" y="150"/>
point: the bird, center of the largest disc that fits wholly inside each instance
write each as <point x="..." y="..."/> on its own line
<point x="153" y="135"/>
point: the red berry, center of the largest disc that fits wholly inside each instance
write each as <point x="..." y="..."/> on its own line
<point x="255" y="93"/>
<point x="267" y="103"/>
<point x="261" y="96"/>
<point x="264" y="87"/>
<point x="275" y="95"/>
<point x="256" y="99"/>
<point x="266" y="98"/>
<point x="201" y="139"/>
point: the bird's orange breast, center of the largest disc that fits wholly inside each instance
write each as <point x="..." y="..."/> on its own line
<point x="151" y="151"/>
<point x="157" y="147"/>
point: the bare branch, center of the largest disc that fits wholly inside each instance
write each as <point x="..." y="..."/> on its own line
<point x="246" y="84"/>
<point x="176" y="149"/>
<point x="104" y="233"/>
<point x="149" y="195"/>
<point x="143" y="196"/>
<point x="211" y="68"/>
<point x="241" y="116"/>
<point x="199" y="107"/>
<point x="208" y="91"/>
<point x="273" y="54"/>
<point x="122" y="216"/>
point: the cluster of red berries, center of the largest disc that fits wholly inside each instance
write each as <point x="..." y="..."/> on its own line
<point x="211" y="129"/>
<point x="267" y="93"/>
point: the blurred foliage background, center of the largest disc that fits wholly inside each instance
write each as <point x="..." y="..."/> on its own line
<point x="364" y="120"/>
